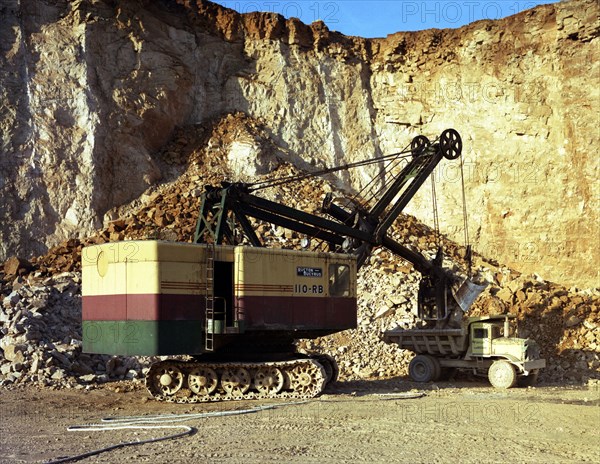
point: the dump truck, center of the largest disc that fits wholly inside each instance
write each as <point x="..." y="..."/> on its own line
<point x="485" y="345"/>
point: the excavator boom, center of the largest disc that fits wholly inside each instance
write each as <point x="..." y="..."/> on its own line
<point x="355" y="232"/>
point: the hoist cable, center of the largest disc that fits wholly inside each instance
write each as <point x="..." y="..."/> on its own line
<point x="391" y="168"/>
<point x="284" y="180"/>
<point x="391" y="158"/>
<point x="436" y="221"/>
<point x="391" y="164"/>
<point x="355" y="198"/>
<point x="465" y="215"/>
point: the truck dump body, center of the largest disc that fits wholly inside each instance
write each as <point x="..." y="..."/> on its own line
<point x="430" y="341"/>
<point x="150" y="297"/>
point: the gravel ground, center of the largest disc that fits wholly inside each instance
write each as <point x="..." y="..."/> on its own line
<point x="360" y="421"/>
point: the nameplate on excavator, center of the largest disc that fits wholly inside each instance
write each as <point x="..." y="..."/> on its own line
<point x="309" y="272"/>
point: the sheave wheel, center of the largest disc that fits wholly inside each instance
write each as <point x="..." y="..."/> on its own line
<point x="450" y="144"/>
<point x="418" y="145"/>
<point x="502" y="374"/>
<point x="422" y="368"/>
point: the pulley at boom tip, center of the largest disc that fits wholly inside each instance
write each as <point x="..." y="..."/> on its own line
<point x="449" y="143"/>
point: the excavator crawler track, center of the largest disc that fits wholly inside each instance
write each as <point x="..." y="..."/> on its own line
<point x="198" y="382"/>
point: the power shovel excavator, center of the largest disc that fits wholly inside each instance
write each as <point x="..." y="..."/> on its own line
<point x="236" y="306"/>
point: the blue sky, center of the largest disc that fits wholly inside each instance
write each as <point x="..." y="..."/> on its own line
<point x="379" y="18"/>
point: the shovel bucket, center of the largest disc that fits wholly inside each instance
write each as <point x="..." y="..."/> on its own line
<point x="467" y="293"/>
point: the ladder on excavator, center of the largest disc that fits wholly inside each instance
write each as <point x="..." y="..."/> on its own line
<point x="209" y="316"/>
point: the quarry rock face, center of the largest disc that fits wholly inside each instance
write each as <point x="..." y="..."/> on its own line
<point x="92" y="92"/>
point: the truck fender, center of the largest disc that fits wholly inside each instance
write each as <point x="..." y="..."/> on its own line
<point x="511" y="359"/>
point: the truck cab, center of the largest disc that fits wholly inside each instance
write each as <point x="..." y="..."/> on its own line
<point x="493" y="338"/>
<point x="481" y="339"/>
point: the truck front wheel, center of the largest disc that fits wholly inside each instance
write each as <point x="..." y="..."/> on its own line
<point x="422" y="368"/>
<point x="502" y="374"/>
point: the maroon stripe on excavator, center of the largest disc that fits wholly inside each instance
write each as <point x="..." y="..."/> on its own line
<point x="297" y="312"/>
<point x="143" y="307"/>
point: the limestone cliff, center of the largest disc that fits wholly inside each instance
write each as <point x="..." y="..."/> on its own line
<point x="91" y="91"/>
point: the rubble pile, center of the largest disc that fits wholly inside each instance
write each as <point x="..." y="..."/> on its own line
<point x="387" y="298"/>
<point x="41" y="337"/>
<point x="40" y="302"/>
<point x="564" y="322"/>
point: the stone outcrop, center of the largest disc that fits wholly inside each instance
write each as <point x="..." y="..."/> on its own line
<point x="40" y="327"/>
<point x="92" y="92"/>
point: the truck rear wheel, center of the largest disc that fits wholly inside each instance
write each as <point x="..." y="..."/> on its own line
<point x="502" y="374"/>
<point x="422" y="368"/>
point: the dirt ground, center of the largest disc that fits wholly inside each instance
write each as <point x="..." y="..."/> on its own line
<point x="366" y="421"/>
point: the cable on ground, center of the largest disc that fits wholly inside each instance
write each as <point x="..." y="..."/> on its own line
<point x="152" y="423"/>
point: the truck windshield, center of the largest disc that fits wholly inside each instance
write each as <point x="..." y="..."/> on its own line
<point x="480" y="333"/>
<point x="498" y="331"/>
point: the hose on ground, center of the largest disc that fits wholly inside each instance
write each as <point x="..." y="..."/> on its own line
<point x="152" y="423"/>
